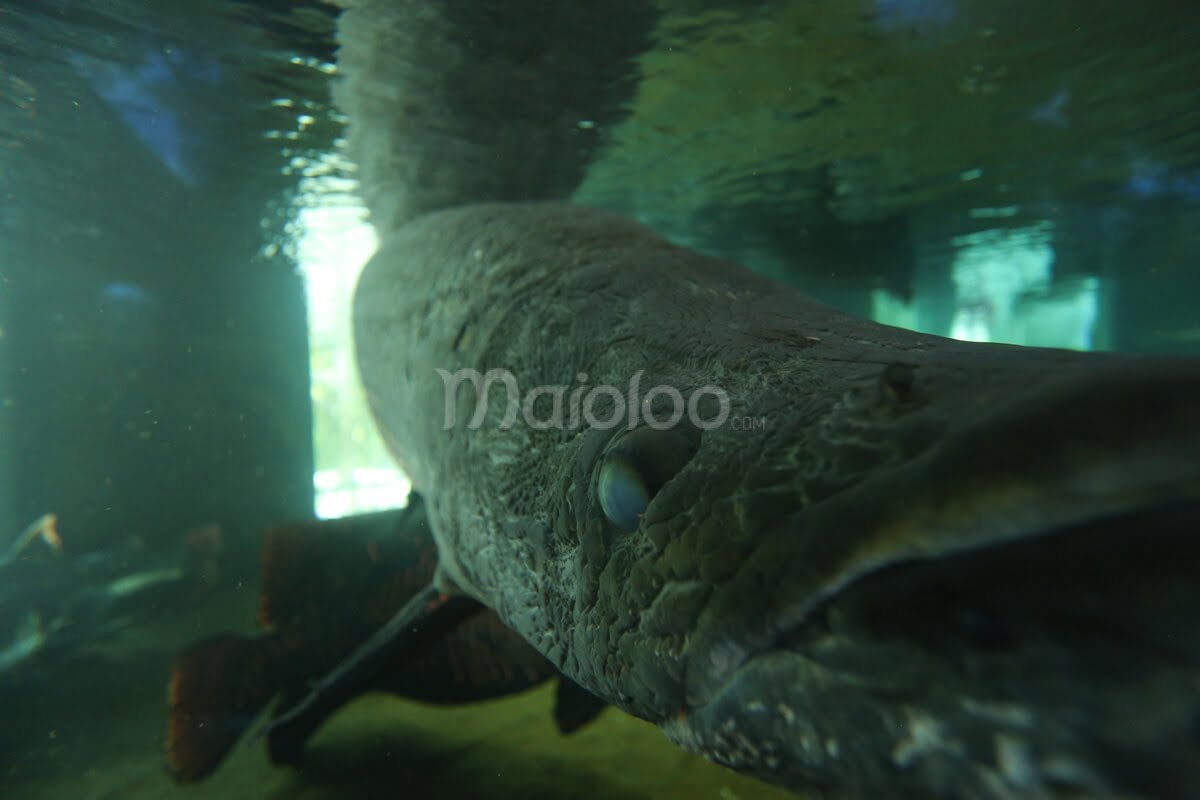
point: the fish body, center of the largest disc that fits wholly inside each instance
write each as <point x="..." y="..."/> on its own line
<point x="898" y="566"/>
<point x="751" y="597"/>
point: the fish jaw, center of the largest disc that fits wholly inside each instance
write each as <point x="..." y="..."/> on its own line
<point x="1061" y="665"/>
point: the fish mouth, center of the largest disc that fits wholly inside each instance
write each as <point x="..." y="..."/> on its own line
<point x="991" y="618"/>
<point x="1128" y="577"/>
<point x="1066" y="664"/>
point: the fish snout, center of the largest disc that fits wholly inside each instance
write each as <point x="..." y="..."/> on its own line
<point x="1010" y="607"/>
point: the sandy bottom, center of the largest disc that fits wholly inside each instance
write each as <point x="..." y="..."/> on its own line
<point x="93" y="729"/>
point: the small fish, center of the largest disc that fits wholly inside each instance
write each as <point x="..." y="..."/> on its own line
<point x="28" y="638"/>
<point x="139" y="582"/>
<point x="52" y="610"/>
<point x="45" y="528"/>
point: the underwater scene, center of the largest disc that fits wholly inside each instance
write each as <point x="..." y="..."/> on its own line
<point x="638" y="399"/>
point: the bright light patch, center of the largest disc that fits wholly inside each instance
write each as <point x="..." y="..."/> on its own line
<point x="992" y="270"/>
<point x="333" y="241"/>
<point x="1005" y="291"/>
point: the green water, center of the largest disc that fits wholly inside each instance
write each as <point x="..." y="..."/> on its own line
<point x="1012" y="172"/>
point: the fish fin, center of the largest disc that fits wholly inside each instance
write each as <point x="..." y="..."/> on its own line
<point x="479" y="659"/>
<point x="574" y="706"/>
<point x="50" y="534"/>
<point x="217" y="687"/>
<point x="320" y="572"/>
<point x="427" y="616"/>
<point x="279" y="749"/>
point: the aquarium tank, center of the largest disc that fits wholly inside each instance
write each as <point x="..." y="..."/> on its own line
<point x="929" y="270"/>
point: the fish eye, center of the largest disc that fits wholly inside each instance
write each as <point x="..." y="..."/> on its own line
<point x="636" y="467"/>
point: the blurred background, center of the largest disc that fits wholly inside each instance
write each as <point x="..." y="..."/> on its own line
<point x="180" y="233"/>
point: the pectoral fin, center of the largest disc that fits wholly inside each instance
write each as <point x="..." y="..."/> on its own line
<point x="574" y="706"/>
<point x="428" y="615"/>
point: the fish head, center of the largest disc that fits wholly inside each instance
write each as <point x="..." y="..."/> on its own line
<point x="974" y="567"/>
